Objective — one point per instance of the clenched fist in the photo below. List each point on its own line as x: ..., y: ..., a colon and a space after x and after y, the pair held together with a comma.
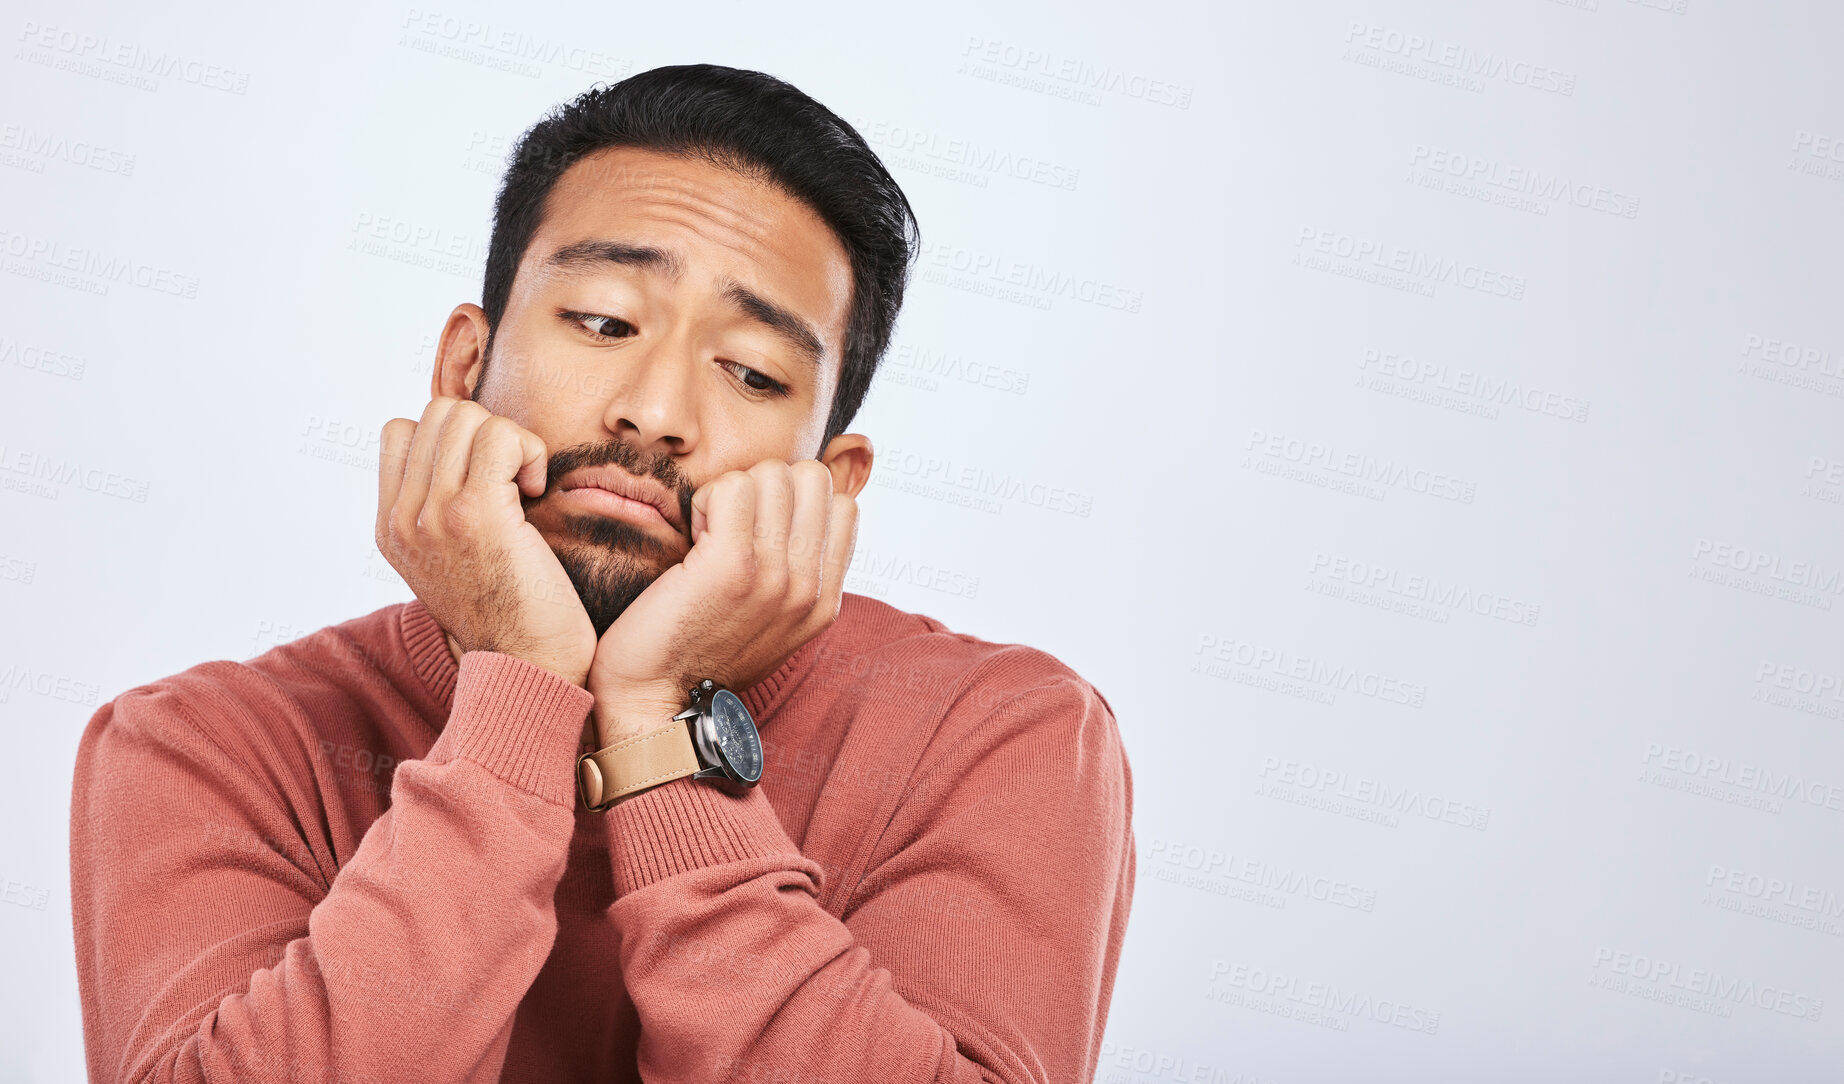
x: 451, y: 522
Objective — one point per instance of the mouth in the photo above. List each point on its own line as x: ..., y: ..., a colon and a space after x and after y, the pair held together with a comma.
x: 611, y: 491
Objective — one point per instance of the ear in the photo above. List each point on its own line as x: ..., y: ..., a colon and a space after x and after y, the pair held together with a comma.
x: 849, y: 458
x: 460, y: 355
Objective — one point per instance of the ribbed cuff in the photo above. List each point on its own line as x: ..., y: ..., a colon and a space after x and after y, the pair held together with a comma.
x: 688, y: 824
x: 517, y: 720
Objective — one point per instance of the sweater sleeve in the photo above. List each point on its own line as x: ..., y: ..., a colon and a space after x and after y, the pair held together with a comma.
x: 980, y: 944
x: 215, y: 940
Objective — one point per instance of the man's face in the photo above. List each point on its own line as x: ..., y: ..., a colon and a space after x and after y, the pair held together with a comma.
x: 671, y: 320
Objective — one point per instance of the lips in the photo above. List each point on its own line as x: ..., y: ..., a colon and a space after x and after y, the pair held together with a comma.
x: 620, y: 483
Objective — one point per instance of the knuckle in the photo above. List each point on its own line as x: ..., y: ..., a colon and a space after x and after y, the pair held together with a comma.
x: 729, y: 482
x: 400, y: 528
x: 459, y: 515
x: 492, y: 435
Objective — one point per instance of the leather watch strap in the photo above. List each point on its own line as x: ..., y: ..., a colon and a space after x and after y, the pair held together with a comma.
x: 658, y: 756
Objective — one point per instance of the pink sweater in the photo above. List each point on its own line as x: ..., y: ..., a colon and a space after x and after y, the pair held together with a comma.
x: 351, y: 860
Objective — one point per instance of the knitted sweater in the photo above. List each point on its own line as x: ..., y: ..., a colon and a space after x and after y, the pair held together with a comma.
x: 351, y: 859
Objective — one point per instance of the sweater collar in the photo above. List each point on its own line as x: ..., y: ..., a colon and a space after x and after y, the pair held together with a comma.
x: 435, y: 665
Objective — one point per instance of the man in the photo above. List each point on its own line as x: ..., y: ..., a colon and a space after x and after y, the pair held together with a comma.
x: 379, y: 853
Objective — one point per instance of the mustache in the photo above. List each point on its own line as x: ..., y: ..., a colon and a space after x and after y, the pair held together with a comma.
x: 660, y: 468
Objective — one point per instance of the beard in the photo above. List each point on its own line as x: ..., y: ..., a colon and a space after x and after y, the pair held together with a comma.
x: 611, y: 561
x: 606, y: 563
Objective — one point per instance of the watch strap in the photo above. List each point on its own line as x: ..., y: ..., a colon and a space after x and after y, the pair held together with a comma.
x: 658, y: 756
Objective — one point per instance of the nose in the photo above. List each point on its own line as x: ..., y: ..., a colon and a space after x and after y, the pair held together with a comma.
x: 654, y: 401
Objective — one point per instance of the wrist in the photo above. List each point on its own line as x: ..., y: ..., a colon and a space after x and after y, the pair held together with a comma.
x: 620, y: 715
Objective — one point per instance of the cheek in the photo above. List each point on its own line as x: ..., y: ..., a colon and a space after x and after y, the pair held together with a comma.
x: 546, y: 390
x: 740, y: 440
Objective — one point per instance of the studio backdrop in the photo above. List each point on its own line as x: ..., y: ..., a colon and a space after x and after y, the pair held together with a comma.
x: 1423, y: 422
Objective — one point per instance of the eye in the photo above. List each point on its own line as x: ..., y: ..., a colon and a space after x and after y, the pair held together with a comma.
x: 601, y: 327
x: 768, y: 385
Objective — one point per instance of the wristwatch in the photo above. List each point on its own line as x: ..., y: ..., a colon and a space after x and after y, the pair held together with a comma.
x: 714, y: 739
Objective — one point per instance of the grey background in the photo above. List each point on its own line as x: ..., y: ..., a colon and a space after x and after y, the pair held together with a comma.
x: 1453, y: 392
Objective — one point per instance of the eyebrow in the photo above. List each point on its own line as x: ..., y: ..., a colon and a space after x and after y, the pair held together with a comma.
x: 584, y: 257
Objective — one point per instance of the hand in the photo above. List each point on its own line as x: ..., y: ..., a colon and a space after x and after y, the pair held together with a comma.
x: 451, y: 523
x: 765, y: 574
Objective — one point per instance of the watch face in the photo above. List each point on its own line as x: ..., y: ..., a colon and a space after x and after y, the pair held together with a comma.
x: 736, y: 735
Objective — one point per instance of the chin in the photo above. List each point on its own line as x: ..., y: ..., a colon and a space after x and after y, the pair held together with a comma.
x: 606, y: 580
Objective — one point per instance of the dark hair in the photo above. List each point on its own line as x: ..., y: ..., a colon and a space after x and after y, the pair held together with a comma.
x: 759, y: 126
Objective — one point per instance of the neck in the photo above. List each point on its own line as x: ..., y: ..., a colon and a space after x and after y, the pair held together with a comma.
x: 453, y: 647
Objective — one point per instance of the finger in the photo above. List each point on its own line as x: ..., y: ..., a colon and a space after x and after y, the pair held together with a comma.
x: 422, y: 457
x: 505, y: 451
x: 393, y: 454
x: 453, y: 449
x: 726, y: 506
x: 774, y: 519
x: 841, y: 539
x: 807, y: 536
